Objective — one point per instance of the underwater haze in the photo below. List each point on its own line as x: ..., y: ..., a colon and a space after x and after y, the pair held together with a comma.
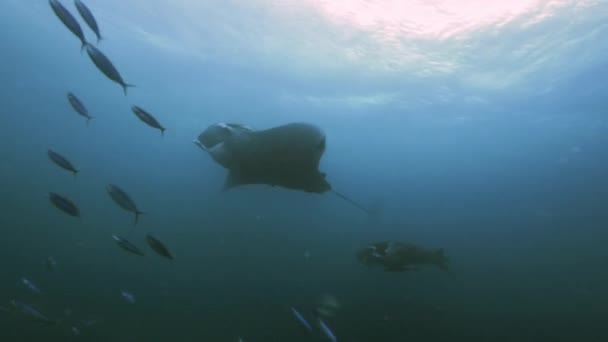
x: 476, y: 127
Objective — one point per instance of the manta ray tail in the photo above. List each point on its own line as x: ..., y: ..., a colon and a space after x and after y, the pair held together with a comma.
x: 371, y: 213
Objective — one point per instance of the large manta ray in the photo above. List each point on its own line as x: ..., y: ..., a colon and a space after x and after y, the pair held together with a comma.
x: 286, y: 156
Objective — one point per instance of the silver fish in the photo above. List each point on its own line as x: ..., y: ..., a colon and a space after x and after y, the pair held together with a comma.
x: 31, y: 312
x: 104, y: 65
x: 123, y: 200
x: 30, y: 285
x: 78, y: 106
x: 301, y: 319
x: 148, y: 118
x: 88, y: 17
x: 64, y: 204
x: 62, y: 162
x: 68, y: 20
x: 325, y: 329
x: 126, y: 245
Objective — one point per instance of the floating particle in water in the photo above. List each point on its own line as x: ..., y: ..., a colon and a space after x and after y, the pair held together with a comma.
x: 129, y: 297
x: 88, y: 322
x: 51, y: 263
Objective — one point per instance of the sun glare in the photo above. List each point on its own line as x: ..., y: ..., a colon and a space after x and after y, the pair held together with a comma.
x: 423, y: 18
x: 372, y: 38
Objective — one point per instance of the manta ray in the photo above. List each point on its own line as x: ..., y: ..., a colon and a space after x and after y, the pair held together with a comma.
x: 287, y: 156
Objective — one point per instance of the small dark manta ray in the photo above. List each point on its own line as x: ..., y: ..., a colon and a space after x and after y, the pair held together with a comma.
x: 398, y: 257
x: 158, y: 247
x: 62, y: 161
x: 148, y: 119
x: 88, y: 17
x: 126, y: 245
x: 68, y: 20
x: 79, y: 107
x: 286, y: 156
x: 64, y: 204
x: 123, y: 200
x: 106, y: 67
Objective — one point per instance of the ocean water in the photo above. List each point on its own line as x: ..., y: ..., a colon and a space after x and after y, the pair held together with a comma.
x: 475, y: 127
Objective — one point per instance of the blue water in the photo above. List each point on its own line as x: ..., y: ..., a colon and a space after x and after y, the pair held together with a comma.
x: 497, y: 156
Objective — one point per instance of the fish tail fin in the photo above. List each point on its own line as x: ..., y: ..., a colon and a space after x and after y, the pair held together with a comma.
x: 89, y: 119
x: 99, y: 39
x: 442, y: 260
x: 162, y: 131
x: 137, y: 213
x: 127, y: 85
x: 83, y: 45
x: 75, y: 172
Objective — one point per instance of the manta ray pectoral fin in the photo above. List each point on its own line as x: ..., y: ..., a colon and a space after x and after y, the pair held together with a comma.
x: 321, y: 145
x: 229, y: 183
x: 234, y: 179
